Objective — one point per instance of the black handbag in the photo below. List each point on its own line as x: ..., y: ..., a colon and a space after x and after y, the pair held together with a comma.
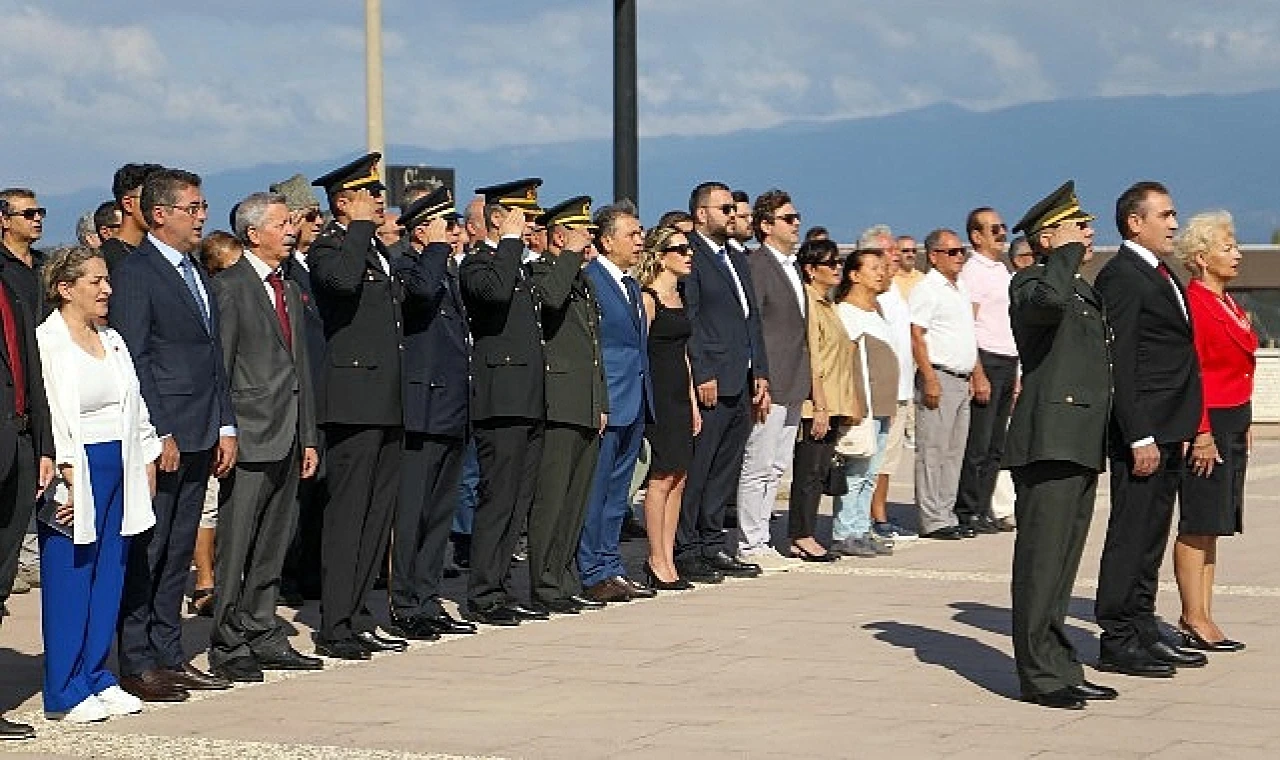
x: 833, y: 481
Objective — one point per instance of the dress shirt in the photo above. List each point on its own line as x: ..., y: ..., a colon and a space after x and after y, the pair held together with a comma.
x: 987, y: 281
x: 618, y: 275
x: 722, y: 255
x: 263, y: 271
x: 944, y: 310
x: 898, y: 314
x: 1154, y: 262
x: 793, y: 275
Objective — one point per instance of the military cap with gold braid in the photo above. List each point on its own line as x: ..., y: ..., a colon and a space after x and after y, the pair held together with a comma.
x: 574, y: 213
x: 521, y: 194
x: 361, y: 174
x: 437, y: 204
x: 1061, y: 205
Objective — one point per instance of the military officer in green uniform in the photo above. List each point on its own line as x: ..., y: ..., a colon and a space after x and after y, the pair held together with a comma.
x: 1057, y: 443
x: 577, y: 407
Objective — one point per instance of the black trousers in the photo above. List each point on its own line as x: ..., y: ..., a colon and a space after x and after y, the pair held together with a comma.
x: 985, y: 446
x: 1137, y: 532
x: 809, y: 467
x: 256, y: 522
x: 17, y: 502
x: 510, y: 453
x: 569, y: 456
x: 150, y: 627
x: 713, y: 477
x: 1053, y: 509
x: 364, y: 477
x: 430, y: 476
x: 302, y: 562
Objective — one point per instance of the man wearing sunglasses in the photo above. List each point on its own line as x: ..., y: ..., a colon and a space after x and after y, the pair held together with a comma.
x: 23, y: 223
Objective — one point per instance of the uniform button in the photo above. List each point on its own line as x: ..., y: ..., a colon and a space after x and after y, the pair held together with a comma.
x: 1070, y: 400
x: 355, y: 363
x: 508, y: 358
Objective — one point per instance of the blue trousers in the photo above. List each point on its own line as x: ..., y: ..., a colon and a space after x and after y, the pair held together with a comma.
x: 81, y: 588
x: 853, y: 510
x: 608, y: 505
x: 468, y: 495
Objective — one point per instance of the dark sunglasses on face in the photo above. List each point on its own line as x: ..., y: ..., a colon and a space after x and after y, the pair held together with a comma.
x: 949, y: 251
x: 312, y: 215
x: 30, y: 213
x: 996, y: 229
x: 788, y: 218
x: 726, y: 209
x: 683, y: 249
x: 833, y: 263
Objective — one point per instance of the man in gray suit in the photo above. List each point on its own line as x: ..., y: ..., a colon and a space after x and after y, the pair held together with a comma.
x: 780, y: 297
x: 264, y: 349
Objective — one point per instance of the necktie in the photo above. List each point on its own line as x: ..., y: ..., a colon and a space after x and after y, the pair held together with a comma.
x: 189, y: 274
x: 282, y: 313
x: 630, y: 287
x: 1164, y: 270
x: 14, y: 349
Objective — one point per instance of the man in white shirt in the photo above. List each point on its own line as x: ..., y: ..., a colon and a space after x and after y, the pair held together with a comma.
x: 945, y: 347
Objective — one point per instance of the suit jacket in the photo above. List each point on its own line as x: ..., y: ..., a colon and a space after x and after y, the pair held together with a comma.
x: 178, y: 359
x: 1063, y: 340
x: 624, y: 341
x: 724, y: 346
x: 437, y: 355
x: 359, y: 304
x: 270, y: 383
x: 1157, y: 378
x: 1227, y: 349
x: 37, y: 403
x: 313, y: 325
x: 784, y: 329
x: 507, y: 361
x: 576, y: 392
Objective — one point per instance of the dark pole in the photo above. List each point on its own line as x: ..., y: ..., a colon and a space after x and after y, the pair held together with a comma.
x: 626, y: 148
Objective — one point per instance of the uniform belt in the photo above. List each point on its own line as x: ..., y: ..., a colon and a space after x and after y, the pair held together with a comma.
x: 952, y: 372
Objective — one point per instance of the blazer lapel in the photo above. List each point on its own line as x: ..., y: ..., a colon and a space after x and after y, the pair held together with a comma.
x: 167, y: 272
x: 258, y: 294
x: 713, y: 260
x: 1154, y: 275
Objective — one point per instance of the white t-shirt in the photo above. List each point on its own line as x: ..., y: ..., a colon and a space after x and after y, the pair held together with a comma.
x: 898, y: 314
x: 101, y: 398
x: 858, y: 321
x: 945, y: 311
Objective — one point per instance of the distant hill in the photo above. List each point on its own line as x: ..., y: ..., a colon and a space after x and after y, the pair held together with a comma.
x: 913, y: 170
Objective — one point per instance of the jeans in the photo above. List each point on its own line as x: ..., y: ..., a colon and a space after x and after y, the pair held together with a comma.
x: 853, y: 510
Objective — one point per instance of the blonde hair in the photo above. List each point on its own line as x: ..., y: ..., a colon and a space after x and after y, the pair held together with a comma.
x: 1203, y: 231
x: 650, y: 265
x: 66, y: 264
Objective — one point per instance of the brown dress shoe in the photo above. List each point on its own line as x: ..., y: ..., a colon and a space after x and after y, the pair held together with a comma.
x: 635, y: 589
x: 190, y: 677
x: 608, y: 590
x: 153, y: 686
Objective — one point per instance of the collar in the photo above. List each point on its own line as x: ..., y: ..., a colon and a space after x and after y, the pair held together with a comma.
x: 735, y: 245
x: 171, y: 254
x: 612, y: 269
x: 259, y: 266
x: 781, y: 257
x: 715, y: 248
x: 1152, y: 260
x: 981, y: 259
x: 936, y: 276
x: 301, y: 260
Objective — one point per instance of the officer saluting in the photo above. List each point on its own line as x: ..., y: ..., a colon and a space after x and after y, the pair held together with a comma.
x: 359, y: 303
x: 1057, y: 442
x: 508, y: 408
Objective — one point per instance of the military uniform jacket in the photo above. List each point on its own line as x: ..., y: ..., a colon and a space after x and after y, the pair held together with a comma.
x: 1064, y: 344
x: 576, y: 393
x: 437, y: 353
x: 507, y: 362
x: 359, y: 304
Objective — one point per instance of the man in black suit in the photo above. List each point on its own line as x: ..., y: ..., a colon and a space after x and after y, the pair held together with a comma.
x: 508, y: 405
x: 265, y: 355
x: 730, y: 375
x: 359, y: 301
x: 1157, y: 409
x: 436, y: 391
x: 163, y: 308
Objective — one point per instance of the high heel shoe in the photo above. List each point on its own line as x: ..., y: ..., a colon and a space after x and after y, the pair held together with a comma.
x: 1193, y: 640
x: 679, y: 584
x: 799, y: 552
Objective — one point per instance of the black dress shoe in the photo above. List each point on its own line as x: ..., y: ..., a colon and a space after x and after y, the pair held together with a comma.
x: 949, y: 533
x: 1062, y: 699
x: 1137, y: 663
x: 372, y: 642
x: 1086, y: 690
x: 341, y: 649
x: 587, y: 604
x: 635, y: 588
x: 1177, y: 657
x: 11, y: 731
x: 527, y: 613
x: 410, y: 628
x: 239, y: 669
x: 289, y: 659
x: 981, y: 524
x: 444, y: 623
x: 191, y: 678
x: 1193, y: 640
x: 732, y: 566
x: 699, y: 572
x: 557, y: 606
x: 966, y: 531
x: 498, y: 615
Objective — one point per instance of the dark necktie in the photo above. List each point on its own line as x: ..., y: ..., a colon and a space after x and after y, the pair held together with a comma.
x: 14, y: 349
x: 282, y: 313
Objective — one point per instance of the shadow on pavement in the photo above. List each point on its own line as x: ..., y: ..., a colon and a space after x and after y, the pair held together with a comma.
x: 980, y: 664
x: 21, y: 677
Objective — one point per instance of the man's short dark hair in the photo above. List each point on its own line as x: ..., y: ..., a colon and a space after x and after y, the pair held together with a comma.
x: 607, y: 217
x: 701, y: 193
x: 104, y: 215
x: 767, y: 203
x: 674, y: 217
x: 933, y: 238
x: 10, y: 194
x: 1130, y: 203
x: 129, y: 178
x: 741, y: 197
x: 816, y: 232
x: 971, y: 224
x: 162, y: 187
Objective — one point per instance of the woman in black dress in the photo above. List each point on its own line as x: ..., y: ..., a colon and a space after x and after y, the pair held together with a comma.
x: 667, y: 258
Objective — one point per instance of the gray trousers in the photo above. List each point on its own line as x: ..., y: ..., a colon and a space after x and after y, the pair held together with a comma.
x: 941, y: 435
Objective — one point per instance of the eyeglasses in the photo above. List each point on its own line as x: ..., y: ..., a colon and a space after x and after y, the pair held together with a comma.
x: 907, y: 249
x: 190, y: 208
x: 788, y: 218
x: 949, y: 251
x: 30, y: 213
x: 683, y: 249
x: 112, y: 226
x: 998, y: 228
x: 832, y: 263
x: 726, y: 209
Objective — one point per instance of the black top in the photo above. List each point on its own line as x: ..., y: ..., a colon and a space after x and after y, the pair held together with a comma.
x: 671, y: 434
x: 25, y: 281
x: 114, y: 251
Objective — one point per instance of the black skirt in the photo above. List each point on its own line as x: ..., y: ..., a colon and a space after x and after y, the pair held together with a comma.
x: 1214, y: 506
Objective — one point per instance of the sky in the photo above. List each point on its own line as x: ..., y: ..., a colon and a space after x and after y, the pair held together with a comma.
x: 88, y: 85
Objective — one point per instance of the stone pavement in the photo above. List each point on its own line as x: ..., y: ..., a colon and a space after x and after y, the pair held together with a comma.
x: 904, y: 657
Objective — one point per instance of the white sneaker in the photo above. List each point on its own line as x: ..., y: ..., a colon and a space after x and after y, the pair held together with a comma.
x: 769, y: 560
x: 119, y: 702
x: 91, y: 710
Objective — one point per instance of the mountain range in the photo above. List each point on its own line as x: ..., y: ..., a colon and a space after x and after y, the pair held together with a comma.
x: 914, y: 170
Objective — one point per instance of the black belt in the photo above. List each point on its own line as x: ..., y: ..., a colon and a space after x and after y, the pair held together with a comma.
x: 953, y: 373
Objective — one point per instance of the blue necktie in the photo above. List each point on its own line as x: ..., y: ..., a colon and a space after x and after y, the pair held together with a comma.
x: 189, y: 274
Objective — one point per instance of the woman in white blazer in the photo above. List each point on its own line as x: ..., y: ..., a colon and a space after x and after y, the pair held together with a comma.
x: 106, y: 449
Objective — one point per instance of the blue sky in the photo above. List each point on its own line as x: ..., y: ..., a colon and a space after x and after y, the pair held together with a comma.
x: 88, y: 84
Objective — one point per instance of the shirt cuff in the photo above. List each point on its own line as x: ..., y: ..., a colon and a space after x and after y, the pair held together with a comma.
x: 511, y: 237
x: 1148, y: 441
x: 227, y: 431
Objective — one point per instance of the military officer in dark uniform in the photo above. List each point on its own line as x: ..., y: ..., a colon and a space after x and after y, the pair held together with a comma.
x: 577, y: 407
x: 508, y: 406
x: 436, y: 394
x: 1057, y: 443
x: 359, y: 302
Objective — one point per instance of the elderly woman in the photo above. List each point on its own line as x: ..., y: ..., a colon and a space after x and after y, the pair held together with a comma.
x: 105, y: 450
x: 1212, y: 491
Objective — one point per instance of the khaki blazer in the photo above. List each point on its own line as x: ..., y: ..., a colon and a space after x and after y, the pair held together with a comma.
x: 835, y: 362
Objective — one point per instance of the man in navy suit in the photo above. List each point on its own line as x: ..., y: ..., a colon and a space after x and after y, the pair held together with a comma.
x: 163, y: 308
x: 731, y: 377
x: 624, y: 346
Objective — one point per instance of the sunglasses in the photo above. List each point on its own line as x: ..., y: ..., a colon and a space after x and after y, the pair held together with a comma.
x: 832, y: 263
x: 30, y: 213
x: 683, y: 249
x: 788, y: 218
x: 312, y: 215
x: 726, y: 209
x: 949, y: 251
x: 996, y: 229
x: 1081, y: 224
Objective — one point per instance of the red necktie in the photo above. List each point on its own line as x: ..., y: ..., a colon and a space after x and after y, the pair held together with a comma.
x: 282, y: 314
x: 14, y: 348
x: 1164, y: 270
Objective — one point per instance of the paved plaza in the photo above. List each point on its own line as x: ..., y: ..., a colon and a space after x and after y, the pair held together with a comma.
x: 904, y: 657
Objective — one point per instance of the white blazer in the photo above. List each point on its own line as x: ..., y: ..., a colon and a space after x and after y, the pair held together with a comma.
x: 139, y: 444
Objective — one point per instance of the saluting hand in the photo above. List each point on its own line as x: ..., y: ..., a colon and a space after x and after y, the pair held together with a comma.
x: 437, y: 231
x: 362, y: 207
x: 577, y: 240
x: 512, y: 223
